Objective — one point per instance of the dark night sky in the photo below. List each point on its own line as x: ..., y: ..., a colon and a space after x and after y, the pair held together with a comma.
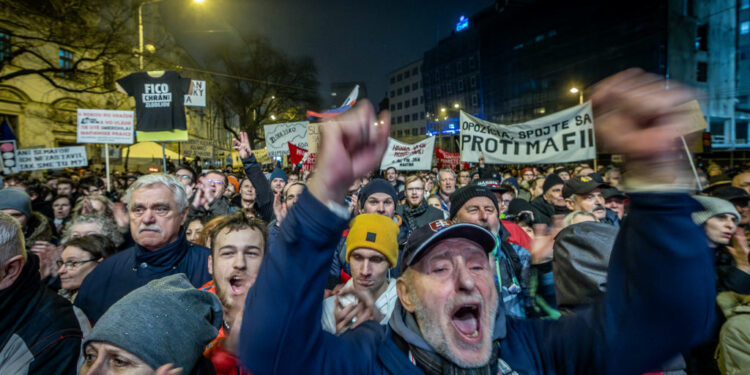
x: 349, y: 40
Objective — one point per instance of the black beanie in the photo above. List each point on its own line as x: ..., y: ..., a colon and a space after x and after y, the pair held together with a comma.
x: 551, y: 181
x: 462, y: 195
x: 517, y: 205
x: 377, y: 185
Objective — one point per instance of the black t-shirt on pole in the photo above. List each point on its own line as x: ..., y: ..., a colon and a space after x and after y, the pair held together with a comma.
x: 159, y: 101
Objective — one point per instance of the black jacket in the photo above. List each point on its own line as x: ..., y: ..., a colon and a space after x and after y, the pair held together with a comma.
x: 263, y: 193
x: 39, y: 333
x: 134, y: 267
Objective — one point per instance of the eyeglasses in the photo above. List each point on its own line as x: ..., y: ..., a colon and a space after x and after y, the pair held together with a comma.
x: 73, y: 264
x: 214, y: 182
x: 184, y: 177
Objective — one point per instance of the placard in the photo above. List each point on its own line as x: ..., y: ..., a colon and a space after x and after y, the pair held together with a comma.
x: 408, y: 157
x: 32, y: 159
x: 313, y: 137
x: 278, y: 135
x: 561, y: 137
x: 197, y: 147
x: 105, y: 126
x: 197, y: 97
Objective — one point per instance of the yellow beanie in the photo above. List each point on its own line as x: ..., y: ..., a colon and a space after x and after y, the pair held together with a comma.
x: 376, y: 232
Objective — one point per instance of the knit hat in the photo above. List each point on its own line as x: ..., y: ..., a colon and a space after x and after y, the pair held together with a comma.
x: 712, y: 207
x: 165, y: 321
x: 561, y: 170
x: 277, y: 173
x: 377, y: 185
x: 551, y: 181
x: 15, y: 199
x: 517, y: 205
x: 376, y: 232
x: 513, y: 181
x: 462, y: 195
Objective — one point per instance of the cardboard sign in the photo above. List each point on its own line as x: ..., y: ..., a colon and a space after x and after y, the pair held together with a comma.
x: 261, y: 155
x: 561, y: 137
x: 105, y: 126
x: 197, y: 97
x: 197, y: 147
x: 313, y: 137
x: 278, y: 135
x: 406, y: 157
x: 32, y: 159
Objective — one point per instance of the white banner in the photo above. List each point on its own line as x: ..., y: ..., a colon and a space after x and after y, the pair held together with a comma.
x: 561, y: 137
x: 105, y: 126
x: 277, y: 136
x: 408, y: 157
x: 197, y: 97
x: 31, y: 159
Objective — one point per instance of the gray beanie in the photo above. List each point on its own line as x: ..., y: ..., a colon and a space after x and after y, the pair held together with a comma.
x: 164, y: 321
x: 712, y: 207
x: 15, y: 199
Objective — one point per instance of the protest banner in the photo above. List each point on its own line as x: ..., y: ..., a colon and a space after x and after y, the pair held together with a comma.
x: 561, y: 137
x: 8, y: 162
x: 296, y: 154
x: 197, y: 97
x: 105, y: 126
x: 313, y: 137
x: 447, y: 159
x: 408, y: 157
x: 202, y: 148
x: 278, y: 135
x: 32, y: 159
x: 308, y: 163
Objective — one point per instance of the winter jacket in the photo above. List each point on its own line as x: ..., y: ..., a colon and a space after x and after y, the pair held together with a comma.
x: 429, y: 215
x: 134, y: 267
x: 658, y: 267
x: 263, y: 193
x: 385, y: 304
x: 543, y: 211
x: 38, y: 229
x: 39, y: 333
x: 733, y: 352
x: 219, y: 207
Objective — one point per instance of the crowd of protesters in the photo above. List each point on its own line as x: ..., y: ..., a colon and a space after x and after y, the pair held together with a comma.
x: 496, y: 269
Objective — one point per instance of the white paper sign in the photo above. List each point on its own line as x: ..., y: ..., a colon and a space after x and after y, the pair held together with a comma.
x: 104, y: 126
x: 408, y: 157
x: 277, y: 136
x: 197, y: 97
x: 561, y: 137
x: 31, y: 159
x: 197, y: 147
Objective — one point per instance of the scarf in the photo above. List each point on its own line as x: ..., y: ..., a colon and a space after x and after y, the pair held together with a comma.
x: 412, y: 213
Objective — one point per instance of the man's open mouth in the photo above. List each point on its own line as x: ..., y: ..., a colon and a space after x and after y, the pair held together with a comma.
x: 466, y: 321
x: 238, y: 285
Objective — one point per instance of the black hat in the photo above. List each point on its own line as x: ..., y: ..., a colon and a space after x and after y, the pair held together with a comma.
x: 551, y: 181
x: 716, y: 182
x: 377, y: 185
x: 581, y: 185
x: 731, y: 194
x: 517, y: 205
x: 613, y: 192
x: 561, y: 170
x: 492, y: 183
x: 462, y: 195
x: 425, y: 236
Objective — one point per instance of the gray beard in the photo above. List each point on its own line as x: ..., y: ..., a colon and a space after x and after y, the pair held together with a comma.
x: 434, y: 335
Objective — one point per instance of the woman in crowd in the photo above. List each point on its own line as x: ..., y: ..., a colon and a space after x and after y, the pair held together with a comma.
x: 61, y: 208
x: 90, y: 224
x: 193, y: 229
x: 79, y: 257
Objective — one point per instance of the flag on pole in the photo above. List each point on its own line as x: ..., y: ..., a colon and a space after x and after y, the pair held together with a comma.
x: 348, y: 103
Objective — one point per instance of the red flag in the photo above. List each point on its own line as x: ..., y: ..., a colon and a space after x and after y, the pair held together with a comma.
x: 296, y: 154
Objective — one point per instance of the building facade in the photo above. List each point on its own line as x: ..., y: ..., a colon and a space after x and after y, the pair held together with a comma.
x: 406, y: 101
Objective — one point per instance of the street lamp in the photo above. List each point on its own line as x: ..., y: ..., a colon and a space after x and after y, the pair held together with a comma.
x: 442, y: 109
x: 456, y: 105
x: 575, y: 90
x: 140, y: 28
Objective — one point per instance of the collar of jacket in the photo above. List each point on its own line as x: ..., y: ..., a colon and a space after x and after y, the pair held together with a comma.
x: 167, y: 256
x: 17, y: 301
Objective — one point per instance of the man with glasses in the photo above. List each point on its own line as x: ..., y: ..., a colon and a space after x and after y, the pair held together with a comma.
x: 157, y: 206
x: 209, y: 200
x: 416, y: 212
x: 186, y: 175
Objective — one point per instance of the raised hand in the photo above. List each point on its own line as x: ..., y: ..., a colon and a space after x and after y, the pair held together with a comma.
x: 351, y: 145
x: 243, y: 146
x: 740, y: 250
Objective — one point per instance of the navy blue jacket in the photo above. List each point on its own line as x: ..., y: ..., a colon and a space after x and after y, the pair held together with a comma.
x: 659, y: 301
x: 134, y: 267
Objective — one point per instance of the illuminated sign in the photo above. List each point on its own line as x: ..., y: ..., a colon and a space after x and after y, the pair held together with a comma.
x: 463, y: 23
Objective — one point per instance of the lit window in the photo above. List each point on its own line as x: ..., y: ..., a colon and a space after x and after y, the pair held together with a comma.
x: 4, y: 45
x: 745, y: 27
x: 66, y: 61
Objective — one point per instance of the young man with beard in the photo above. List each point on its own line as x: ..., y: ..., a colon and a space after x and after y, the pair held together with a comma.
x: 448, y: 319
x: 391, y: 175
x: 277, y: 180
x: 416, y: 212
x: 237, y: 248
x: 583, y: 193
x: 371, y: 250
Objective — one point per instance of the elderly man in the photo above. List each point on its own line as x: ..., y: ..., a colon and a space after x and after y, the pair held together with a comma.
x: 157, y: 206
x: 583, y: 193
x: 448, y: 319
x: 371, y: 250
x: 446, y: 187
x: 39, y: 333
